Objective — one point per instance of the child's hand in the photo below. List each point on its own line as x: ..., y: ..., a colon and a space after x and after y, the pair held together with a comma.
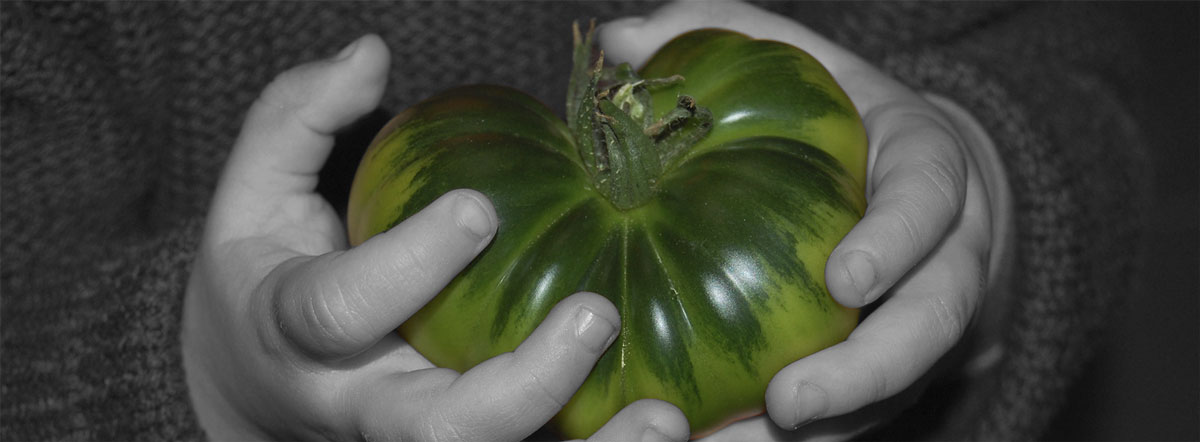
x: 290, y: 335
x: 925, y: 241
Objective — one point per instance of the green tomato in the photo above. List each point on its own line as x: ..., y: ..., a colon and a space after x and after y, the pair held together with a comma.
x: 717, y: 268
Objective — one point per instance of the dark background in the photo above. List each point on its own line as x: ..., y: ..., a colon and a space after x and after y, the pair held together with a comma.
x: 1145, y: 383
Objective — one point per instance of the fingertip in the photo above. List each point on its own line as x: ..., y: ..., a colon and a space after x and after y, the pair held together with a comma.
x: 777, y: 401
x: 475, y: 215
x: 805, y: 390
x: 466, y: 216
x: 622, y: 42
x: 793, y: 403
x: 595, y: 321
x: 852, y: 279
x: 373, y: 42
x: 369, y: 52
x: 513, y: 394
x: 621, y: 28
x: 666, y: 422
x: 584, y: 323
x: 289, y: 129
x: 925, y: 316
x: 351, y: 85
x: 595, y: 302
x: 367, y: 72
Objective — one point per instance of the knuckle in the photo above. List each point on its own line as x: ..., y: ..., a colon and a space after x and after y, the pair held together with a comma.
x: 942, y: 181
x: 320, y: 313
x: 328, y: 314
x: 948, y: 320
x: 537, y: 388
x: 915, y: 230
x: 434, y: 420
x: 950, y: 311
x: 937, y: 154
x: 924, y: 198
x: 870, y: 380
x: 435, y: 426
x: 877, y: 382
x: 288, y: 284
x: 907, y: 218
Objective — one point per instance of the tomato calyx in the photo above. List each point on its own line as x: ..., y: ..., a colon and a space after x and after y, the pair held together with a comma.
x: 621, y: 145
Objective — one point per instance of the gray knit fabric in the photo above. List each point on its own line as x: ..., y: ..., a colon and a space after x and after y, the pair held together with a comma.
x: 117, y: 116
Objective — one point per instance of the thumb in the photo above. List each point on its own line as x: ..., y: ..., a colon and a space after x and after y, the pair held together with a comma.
x: 621, y: 41
x: 339, y: 304
x: 289, y: 129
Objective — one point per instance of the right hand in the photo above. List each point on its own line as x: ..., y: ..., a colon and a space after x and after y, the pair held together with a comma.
x: 931, y: 238
x: 289, y: 334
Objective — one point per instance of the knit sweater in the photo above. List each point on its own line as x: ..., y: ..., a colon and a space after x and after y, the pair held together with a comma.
x: 117, y: 116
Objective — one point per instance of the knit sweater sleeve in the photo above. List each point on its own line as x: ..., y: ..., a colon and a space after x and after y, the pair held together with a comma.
x: 93, y: 275
x: 103, y: 361
x: 89, y: 183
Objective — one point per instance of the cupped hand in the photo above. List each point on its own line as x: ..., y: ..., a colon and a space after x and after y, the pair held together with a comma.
x: 288, y: 334
x: 924, y: 246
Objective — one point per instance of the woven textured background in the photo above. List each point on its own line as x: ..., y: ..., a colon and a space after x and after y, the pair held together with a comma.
x: 117, y: 117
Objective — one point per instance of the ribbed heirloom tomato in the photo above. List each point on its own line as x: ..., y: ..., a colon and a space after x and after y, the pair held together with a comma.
x: 701, y: 195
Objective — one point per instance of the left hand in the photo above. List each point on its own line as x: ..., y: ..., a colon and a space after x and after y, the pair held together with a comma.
x: 925, y: 241
x: 289, y: 333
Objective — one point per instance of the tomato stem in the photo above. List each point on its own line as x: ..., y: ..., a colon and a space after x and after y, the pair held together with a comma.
x: 620, y: 143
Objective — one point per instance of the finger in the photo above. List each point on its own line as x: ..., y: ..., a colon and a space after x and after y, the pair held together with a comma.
x: 337, y: 305
x: 511, y: 395
x: 918, y: 181
x: 647, y: 420
x: 926, y: 315
x: 623, y: 41
x: 891, y: 349
x: 834, y: 429
x: 289, y: 129
x: 635, y: 39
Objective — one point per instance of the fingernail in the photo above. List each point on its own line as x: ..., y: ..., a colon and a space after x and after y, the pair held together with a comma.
x: 653, y: 435
x: 348, y: 51
x: 472, y: 216
x: 811, y: 403
x: 862, y: 273
x: 593, y: 330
